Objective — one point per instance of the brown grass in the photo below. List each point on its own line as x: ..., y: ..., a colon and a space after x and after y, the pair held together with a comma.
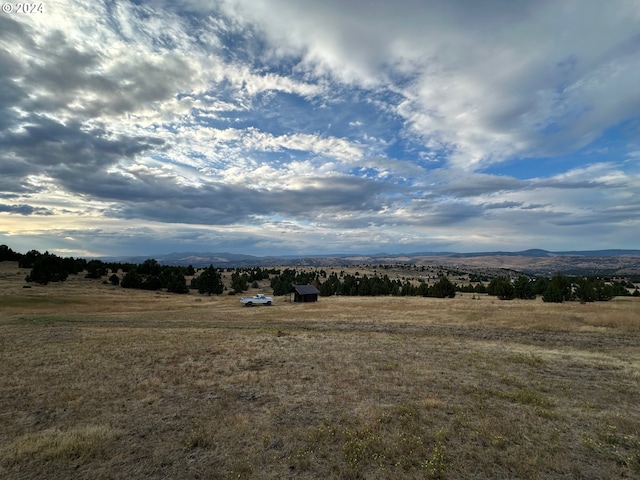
x: 100, y: 382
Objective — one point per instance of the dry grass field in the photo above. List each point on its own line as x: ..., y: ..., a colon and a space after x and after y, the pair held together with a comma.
x: 99, y: 382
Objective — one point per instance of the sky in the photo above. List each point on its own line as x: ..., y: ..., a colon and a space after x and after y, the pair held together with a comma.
x: 299, y: 127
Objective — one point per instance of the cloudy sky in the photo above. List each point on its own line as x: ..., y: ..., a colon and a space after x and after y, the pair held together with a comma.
x: 305, y: 127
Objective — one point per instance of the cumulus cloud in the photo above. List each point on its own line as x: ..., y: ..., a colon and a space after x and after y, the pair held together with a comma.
x: 351, y: 123
x: 488, y: 81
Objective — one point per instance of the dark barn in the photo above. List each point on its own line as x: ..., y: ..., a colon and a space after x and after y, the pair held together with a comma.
x: 305, y: 293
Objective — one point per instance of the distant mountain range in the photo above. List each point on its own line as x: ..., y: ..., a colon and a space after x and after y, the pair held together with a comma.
x: 538, y: 253
x: 534, y: 261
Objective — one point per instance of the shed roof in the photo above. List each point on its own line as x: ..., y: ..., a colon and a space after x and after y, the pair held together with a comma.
x: 305, y: 290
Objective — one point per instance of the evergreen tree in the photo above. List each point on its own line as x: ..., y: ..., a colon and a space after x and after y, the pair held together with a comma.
x: 480, y: 288
x: 74, y: 265
x: 27, y: 260
x: 502, y: 288
x: 523, y: 288
x: 150, y: 267
x: 586, y: 289
x: 466, y: 288
x: 423, y: 289
x: 540, y: 285
x: 558, y: 290
x: 176, y: 283
x: 209, y: 281
x: 47, y: 268
x: 152, y: 282
x: 239, y: 282
x: 330, y: 286
x: 8, y: 255
x: 96, y: 269
x: 442, y: 288
x: 278, y: 286
x: 132, y: 279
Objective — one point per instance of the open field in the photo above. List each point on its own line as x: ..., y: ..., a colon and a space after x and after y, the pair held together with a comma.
x: 99, y: 382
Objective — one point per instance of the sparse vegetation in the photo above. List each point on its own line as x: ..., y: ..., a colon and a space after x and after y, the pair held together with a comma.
x: 102, y: 382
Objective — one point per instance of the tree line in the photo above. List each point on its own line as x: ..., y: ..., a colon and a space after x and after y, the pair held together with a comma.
x: 559, y: 288
x: 356, y: 285
x: 150, y: 275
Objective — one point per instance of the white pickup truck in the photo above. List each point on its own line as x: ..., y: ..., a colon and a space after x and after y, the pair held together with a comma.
x: 259, y: 299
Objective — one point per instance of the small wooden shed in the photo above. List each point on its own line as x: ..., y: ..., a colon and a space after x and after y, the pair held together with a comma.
x: 304, y: 293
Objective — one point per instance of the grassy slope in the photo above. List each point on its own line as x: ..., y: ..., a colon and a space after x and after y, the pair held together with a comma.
x: 100, y: 382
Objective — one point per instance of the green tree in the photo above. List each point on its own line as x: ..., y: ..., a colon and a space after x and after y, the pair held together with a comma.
x: 8, y: 255
x: 502, y: 288
x: 239, y: 282
x: 114, y: 280
x: 278, y: 286
x: 466, y: 288
x: 132, y: 279
x: 539, y: 285
x: 480, y: 288
x: 74, y: 265
x: 208, y: 281
x: 442, y: 288
x: 586, y: 289
x: 330, y: 286
x: 282, y: 284
x: 96, y: 269
x: 150, y: 267
x: 47, y: 268
x: 616, y: 290
x: 27, y: 260
x: 176, y: 283
x: 152, y: 282
x: 558, y: 290
x: 408, y: 289
x: 523, y: 288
